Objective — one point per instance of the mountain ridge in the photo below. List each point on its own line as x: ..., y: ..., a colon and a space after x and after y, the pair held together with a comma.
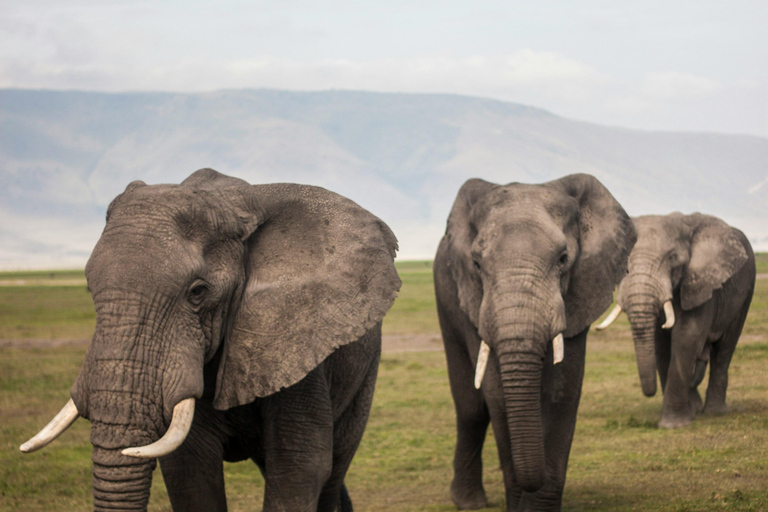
x: 65, y: 154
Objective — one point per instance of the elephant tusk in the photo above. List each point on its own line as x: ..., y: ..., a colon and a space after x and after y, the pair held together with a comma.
x: 558, y: 348
x: 183, y: 413
x: 669, y: 313
x: 482, y: 362
x: 614, y: 314
x: 61, y: 422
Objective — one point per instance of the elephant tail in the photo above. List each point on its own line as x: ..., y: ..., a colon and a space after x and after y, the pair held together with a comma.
x: 345, y: 504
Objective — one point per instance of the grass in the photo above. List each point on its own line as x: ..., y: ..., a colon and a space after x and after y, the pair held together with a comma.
x: 619, y: 460
x: 43, y: 276
x: 47, y: 305
x: 46, y: 312
x: 414, y: 310
x: 761, y: 260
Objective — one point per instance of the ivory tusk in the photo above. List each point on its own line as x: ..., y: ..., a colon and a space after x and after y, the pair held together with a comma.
x: 558, y: 348
x: 183, y: 413
x: 61, y: 422
x: 669, y: 313
x: 614, y: 314
x: 482, y: 362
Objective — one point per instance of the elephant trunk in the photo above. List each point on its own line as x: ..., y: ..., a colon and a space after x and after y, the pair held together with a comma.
x: 644, y: 336
x: 642, y: 294
x: 521, y: 383
x: 120, y: 391
x: 120, y: 482
x: 521, y: 324
x: 643, y: 306
x: 120, y: 419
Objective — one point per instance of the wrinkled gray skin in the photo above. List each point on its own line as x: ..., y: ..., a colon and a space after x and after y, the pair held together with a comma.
x: 264, y: 303
x: 518, y: 265
x: 707, y: 269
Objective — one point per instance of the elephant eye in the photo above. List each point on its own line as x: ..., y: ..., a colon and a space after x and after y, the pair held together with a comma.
x: 564, y: 259
x: 197, y: 293
x: 476, y: 265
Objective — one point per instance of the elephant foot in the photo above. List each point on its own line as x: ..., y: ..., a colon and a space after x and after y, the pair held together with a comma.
x: 716, y: 409
x: 675, y: 421
x: 466, y: 499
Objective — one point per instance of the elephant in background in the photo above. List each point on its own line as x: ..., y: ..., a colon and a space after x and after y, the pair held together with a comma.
x: 520, y: 274
x: 233, y: 321
x: 700, y: 272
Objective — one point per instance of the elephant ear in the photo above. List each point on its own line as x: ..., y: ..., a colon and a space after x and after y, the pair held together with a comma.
x: 716, y: 255
x: 320, y: 274
x: 606, y: 237
x: 459, y: 235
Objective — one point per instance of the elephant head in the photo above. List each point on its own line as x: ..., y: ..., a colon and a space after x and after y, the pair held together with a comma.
x: 676, y: 255
x: 219, y: 289
x: 534, y: 263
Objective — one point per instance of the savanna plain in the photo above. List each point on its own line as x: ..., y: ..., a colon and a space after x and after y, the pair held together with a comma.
x: 619, y: 461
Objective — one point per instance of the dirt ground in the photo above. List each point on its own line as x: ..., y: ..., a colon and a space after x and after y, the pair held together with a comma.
x: 392, y: 343
x: 40, y: 343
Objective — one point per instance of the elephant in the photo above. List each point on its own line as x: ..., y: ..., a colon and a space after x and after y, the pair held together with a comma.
x: 520, y: 274
x: 233, y: 321
x: 700, y: 272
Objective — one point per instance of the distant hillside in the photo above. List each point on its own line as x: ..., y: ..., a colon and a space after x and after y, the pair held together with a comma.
x: 65, y: 155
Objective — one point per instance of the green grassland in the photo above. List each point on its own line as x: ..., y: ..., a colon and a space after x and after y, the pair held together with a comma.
x: 414, y: 310
x: 619, y: 460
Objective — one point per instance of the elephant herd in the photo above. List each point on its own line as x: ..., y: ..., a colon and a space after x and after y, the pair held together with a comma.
x: 238, y: 321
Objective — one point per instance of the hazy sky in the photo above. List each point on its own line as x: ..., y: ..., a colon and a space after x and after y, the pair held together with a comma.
x: 670, y: 65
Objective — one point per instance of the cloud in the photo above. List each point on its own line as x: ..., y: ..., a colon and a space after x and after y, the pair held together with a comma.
x: 581, y: 63
x: 134, y: 48
x: 477, y: 74
x: 661, y: 89
x: 676, y: 86
x: 554, y: 81
x: 673, y: 101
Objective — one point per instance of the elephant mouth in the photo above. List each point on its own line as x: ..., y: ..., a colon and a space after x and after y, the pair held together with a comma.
x: 181, y: 422
x: 558, y: 353
x: 667, y: 307
x: 183, y: 414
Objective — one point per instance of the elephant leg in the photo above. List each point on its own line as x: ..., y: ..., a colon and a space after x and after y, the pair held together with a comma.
x: 561, y: 393
x: 689, y: 335
x: 472, y: 420
x: 720, y: 360
x: 347, y: 433
x: 193, y: 474
x: 298, y: 444
x: 699, y: 370
x: 701, y: 365
x: 694, y: 397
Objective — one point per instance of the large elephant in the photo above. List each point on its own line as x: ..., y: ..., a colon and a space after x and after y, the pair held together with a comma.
x: 232, y: 321
x: 521, y: 272
x: 700, y: 272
